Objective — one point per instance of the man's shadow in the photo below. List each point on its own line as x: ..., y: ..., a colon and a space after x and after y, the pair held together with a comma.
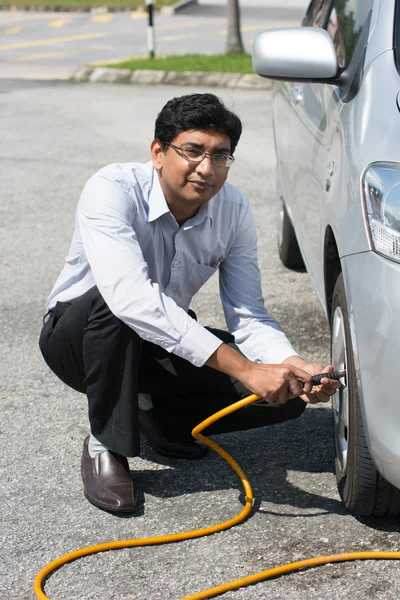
x: 304, y: 445
x: 265, y: 454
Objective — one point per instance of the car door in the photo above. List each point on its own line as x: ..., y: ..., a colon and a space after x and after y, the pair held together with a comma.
x: 314, y: 107
x: 322, y: 145
x: 317, y: 143
x: 299, y: 116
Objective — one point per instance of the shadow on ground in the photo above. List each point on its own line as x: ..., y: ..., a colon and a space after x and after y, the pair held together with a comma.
x: 266, y: 455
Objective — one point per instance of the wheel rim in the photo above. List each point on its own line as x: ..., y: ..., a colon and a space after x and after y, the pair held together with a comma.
x: 340, y: 401
x: 280, y: 215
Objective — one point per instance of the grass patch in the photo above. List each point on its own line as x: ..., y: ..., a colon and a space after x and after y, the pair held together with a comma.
x: 221, y: 63
x: 130, y: 4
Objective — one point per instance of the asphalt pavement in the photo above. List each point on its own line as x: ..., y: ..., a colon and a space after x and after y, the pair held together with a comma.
x: 54, y: 137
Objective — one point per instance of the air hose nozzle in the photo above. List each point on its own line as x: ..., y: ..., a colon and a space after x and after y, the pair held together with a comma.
x: 333, y: 375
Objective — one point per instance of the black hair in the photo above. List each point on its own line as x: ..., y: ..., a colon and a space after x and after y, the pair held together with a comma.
x: 197, y: 111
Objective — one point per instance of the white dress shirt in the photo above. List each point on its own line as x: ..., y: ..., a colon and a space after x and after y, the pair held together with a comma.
x: 147, y: 268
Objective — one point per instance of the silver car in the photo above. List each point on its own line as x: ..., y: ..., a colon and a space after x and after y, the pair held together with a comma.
x: 337, y: 134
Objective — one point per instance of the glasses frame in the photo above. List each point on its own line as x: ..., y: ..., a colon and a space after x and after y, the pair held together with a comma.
x: 202, y: 157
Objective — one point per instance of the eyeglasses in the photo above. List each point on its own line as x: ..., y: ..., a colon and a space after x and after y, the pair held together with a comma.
x: 194, y: 155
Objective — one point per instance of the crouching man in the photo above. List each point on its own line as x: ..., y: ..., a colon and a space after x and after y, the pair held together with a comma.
x: 119, y: 328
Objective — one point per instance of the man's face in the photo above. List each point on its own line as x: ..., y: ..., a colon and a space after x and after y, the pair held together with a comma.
x: 187, y: 185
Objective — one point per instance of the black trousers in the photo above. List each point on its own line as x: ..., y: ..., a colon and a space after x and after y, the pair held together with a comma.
x: 95, y: 353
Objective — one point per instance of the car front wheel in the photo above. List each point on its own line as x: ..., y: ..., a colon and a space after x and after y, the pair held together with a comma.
x: 362, y: 488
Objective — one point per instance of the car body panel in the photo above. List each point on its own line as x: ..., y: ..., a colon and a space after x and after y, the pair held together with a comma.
x: 303, y: 132
x: 381, y: 30
x: 324, y: 142
x: 374, y: 311
x: 370, y: 122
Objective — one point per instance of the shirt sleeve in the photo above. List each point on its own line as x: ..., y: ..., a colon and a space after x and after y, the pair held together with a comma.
x: 256, y: 333
x: 106, y: 216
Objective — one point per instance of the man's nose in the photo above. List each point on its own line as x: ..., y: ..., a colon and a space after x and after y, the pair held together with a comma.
x: 206, y: 166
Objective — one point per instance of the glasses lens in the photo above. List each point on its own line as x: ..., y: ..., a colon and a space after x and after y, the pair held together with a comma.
x: 222, y: 160
x: 192, y: 154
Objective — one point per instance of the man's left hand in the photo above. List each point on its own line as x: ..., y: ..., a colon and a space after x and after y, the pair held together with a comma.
x: 319, y: 393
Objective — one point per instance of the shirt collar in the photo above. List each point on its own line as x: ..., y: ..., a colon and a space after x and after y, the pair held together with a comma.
x: 158, y: 205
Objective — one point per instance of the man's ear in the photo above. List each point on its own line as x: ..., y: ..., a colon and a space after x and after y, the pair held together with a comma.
x: 157, y: 154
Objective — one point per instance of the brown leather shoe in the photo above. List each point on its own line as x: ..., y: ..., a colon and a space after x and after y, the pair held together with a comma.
x: 107, y: 482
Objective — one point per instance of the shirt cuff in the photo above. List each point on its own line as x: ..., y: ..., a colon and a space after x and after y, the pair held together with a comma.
x: 197, y: 345
x: 280, y: 350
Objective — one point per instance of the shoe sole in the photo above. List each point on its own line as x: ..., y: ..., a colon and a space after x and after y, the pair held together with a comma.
x: 98, y: 504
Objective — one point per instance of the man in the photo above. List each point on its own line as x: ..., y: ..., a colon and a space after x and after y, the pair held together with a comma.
x: 119, y: 328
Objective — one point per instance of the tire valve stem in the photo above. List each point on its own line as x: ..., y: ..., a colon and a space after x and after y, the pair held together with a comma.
x: 334, y: 375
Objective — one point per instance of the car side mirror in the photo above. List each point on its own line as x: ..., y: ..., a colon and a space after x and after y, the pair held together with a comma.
x: 296, y: 54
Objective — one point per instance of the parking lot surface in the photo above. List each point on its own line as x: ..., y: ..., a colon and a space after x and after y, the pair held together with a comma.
x: 45, y: 45
x: 54, y: 137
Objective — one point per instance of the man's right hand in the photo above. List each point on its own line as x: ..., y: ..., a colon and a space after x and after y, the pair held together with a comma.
x: 275, y: 383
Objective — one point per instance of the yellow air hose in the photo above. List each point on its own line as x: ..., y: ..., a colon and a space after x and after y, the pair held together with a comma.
x: 196, y: 533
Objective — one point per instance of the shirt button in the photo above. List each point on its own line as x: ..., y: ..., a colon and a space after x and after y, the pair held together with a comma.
x: 175, y: 263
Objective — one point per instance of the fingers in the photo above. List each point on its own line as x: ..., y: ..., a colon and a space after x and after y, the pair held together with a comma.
x: 280, y: 383
x: 330, y: 386
x: 319, y: 369
x: 327, y: 386
x: 300, y: 382
x: 318, y: 396
x: 296, y: 382
x: 326, y: 389
x: 281, y: 396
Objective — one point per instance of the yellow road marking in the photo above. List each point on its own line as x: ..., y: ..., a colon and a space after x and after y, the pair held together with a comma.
x: 271, y: 25
x: 189, y: 24
x: 59, y: 23
x: 182, y: 36
x: 114, y: 61
x: 102, y: 18
x: 4, y: 19
x: 60, y: 40
x: 86, y: 36
x: 139, y: 14
x: 263, y: 26
x: 12, y: 30
x: 91, y: 36
x: 44, y: 55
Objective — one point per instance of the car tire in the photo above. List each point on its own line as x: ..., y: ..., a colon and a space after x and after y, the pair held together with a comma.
x: 288, y: 247
x: 362, y: 488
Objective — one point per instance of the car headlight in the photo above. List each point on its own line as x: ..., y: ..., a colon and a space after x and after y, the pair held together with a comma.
x: 381, y: 192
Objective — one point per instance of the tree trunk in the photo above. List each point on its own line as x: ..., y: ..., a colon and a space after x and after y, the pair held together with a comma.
x: 234, y: 44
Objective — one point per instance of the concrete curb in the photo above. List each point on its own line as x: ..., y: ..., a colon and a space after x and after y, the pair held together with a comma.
x: 164, y: 10
x: 177, y: 7
x: 155, y: 77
